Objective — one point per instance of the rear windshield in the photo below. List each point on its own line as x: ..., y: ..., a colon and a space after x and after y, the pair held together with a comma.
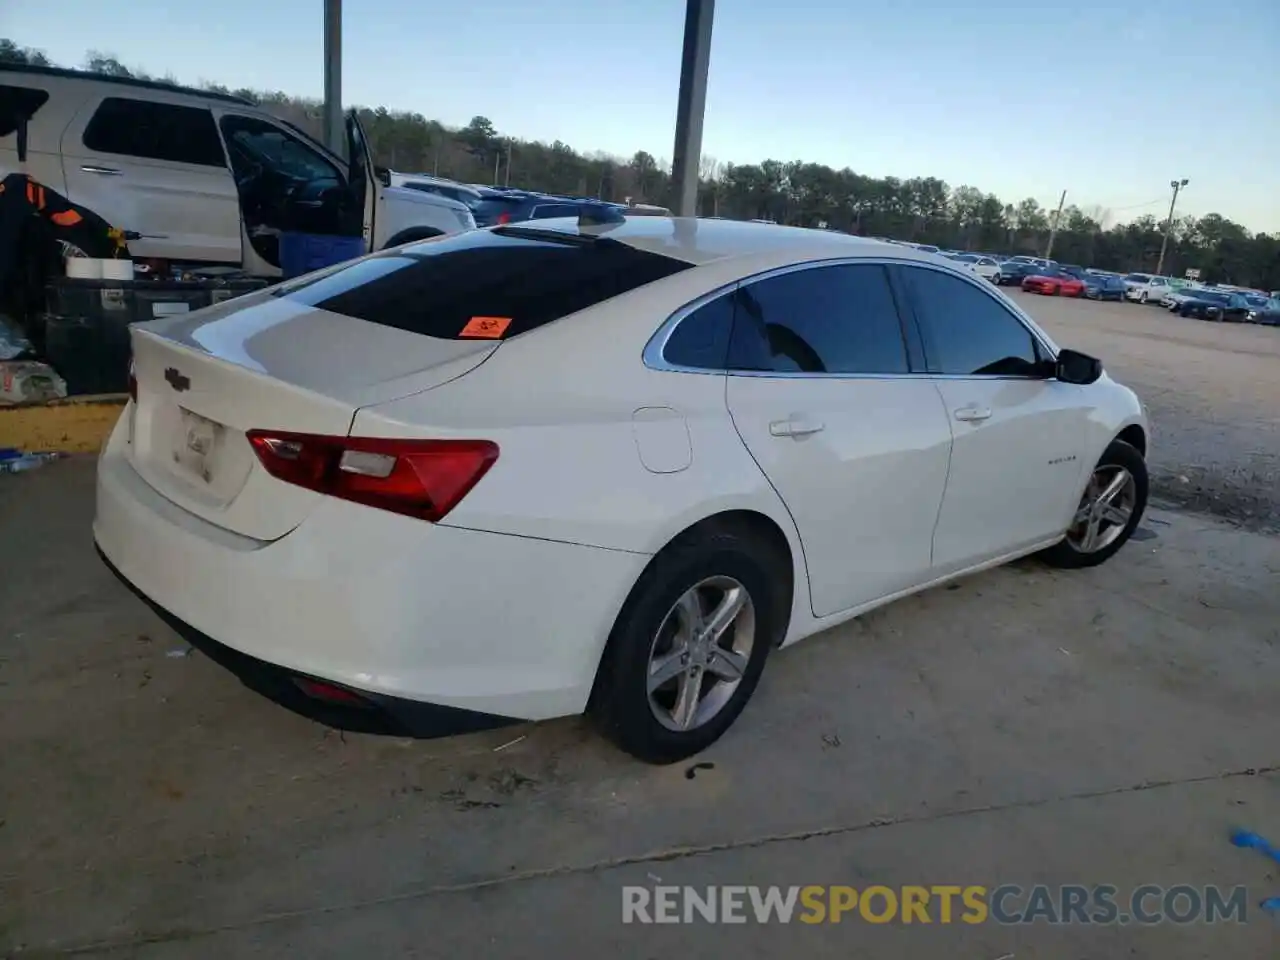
x: 18, y: 103
x: 522, y: 278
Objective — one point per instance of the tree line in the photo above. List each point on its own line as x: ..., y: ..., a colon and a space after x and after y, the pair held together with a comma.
x: 920, y: 209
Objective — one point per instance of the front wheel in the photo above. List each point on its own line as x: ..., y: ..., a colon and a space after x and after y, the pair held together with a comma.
x: 1110, y: 508
x: 689, y: 645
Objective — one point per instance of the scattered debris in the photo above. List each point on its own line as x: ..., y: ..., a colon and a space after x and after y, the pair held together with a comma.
x: 509, y: 743
x: 653, y: 876
x: 692, y: 771
x: 13, y: 460
x: 1065, y: 650
x: 830, y: 740
x: 29, y: 381
x: 179, y: 653
x: 1247, y: 840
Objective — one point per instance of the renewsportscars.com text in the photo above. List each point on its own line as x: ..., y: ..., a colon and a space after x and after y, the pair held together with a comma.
x: 1099, y: 904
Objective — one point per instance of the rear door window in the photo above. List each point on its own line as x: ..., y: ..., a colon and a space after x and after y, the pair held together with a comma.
x: 839, y: 319
x: 18, y: 103
x: 155, y: 131
x: 505, y: 281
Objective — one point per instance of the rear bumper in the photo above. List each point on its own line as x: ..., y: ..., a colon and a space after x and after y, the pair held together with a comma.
x: 375, y: 713
x: 393, y: 608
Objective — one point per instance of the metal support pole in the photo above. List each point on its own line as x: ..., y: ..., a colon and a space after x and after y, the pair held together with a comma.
x: 695, y: 64
x: 1168, y: 225
x: 335, y: 135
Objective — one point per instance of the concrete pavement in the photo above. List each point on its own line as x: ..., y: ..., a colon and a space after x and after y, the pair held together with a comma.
x: 1022, y: 726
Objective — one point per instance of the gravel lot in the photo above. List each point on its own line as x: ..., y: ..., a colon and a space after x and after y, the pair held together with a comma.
x: 1212, y: 391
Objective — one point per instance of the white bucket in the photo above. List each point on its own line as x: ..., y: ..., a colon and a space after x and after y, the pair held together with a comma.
x: 119, y: 269
x: 84, y: 268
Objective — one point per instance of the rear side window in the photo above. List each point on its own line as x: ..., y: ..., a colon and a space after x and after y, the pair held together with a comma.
x: 483, y: 283
x: 833, y: 319
x: 155, y: 131
x: 701, y: 340
x: 18, y: 103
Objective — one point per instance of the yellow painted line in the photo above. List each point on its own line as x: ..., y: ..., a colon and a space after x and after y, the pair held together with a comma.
x: 74, y: 425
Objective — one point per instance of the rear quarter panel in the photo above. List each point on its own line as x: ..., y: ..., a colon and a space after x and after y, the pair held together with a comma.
x: 559, y: 401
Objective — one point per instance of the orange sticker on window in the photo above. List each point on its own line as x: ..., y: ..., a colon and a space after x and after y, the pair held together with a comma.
x: 486, y: 328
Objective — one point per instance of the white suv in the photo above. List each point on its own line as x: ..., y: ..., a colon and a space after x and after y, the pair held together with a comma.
x: 1150, y: 290
x: 201, y: 177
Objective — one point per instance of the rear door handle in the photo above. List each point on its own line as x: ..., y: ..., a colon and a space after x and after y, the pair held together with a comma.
x: 794, y: 427
x: 103, y: 171
x: 972, y: 414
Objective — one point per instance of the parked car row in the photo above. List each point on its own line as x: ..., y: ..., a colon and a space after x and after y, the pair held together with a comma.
x: 1209, y: 303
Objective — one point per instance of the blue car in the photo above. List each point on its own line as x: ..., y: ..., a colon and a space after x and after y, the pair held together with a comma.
x: 1103, y: 286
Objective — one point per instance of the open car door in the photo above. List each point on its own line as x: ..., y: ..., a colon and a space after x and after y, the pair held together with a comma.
x: 361, y: 178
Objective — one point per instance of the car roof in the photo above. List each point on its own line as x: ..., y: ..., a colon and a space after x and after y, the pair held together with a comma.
x: 699, y: 241
x: 135, y: 82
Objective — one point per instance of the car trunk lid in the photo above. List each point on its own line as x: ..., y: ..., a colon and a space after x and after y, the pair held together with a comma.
x: 265, y: 362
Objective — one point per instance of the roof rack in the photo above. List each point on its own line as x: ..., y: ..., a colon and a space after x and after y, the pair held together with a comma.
x: 123, y: 81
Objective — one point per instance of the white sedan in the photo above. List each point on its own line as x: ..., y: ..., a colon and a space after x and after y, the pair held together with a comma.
x: 532, y: 471
x: 988, y: 268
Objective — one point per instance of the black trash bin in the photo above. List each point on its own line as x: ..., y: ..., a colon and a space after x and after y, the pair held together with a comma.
x: 85, y: 335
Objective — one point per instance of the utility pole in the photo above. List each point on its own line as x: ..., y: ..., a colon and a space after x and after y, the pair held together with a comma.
x: 1053, y: 227
x: 335, y: 137
x: 691, y: 104
x: 506, y: 181
x: 1168, y: 224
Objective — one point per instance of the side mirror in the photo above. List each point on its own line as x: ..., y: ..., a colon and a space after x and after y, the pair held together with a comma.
x: 1075, y: 367
x: 383, y: 175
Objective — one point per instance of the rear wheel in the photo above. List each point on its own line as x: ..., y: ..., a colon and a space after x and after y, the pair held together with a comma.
x: 689, y: 645
x: 1110, y: 509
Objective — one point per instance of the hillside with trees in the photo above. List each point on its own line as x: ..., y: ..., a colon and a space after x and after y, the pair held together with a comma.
x: 925, y: 210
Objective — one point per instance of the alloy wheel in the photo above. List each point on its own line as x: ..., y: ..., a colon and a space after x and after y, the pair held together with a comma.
x: 1105, y: 509
x: 700, y: 653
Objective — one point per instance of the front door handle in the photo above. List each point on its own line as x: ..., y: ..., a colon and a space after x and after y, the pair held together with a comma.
x: 794, y: 427
x: 103, y: 171
x: 973, y: 414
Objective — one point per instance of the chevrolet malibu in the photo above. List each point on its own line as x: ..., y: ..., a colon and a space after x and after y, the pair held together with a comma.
x: 595, y: 466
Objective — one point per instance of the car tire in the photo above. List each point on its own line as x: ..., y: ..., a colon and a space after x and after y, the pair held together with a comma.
x: 1087, y: 542
x: 707, y: 564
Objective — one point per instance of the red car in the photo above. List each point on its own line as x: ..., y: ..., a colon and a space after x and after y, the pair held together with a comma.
x: 1053, y: 283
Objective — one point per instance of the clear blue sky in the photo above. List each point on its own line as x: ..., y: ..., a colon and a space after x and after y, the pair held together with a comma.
x: 1108, y: 100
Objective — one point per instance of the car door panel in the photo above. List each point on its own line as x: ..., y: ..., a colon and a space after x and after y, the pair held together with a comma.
x: 861, y: 465
x: 820, y: 392
x: 1012, y: 470
x: 183, y: 210
x: 1017, y: 436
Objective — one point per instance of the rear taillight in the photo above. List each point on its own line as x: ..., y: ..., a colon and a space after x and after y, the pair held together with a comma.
x: 419, y: 478
x: 133, y: 383
x: 503, y: 218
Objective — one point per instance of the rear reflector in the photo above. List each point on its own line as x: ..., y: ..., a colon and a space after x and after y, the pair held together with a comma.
x: 319, y: 690
x: 418, y: 478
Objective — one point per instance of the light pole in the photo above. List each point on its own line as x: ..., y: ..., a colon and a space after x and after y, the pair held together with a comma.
x: 1168, y: 224
x: 691, y: 104
x: 335, y: 137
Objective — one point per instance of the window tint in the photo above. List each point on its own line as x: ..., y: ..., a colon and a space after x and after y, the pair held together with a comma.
x: 701, y: 340
x: 18, y: 103
x: 524, y: 276
x: 966, y: 330
x: 836, y: 319
x: 157, y: 131
x: 254, y: 143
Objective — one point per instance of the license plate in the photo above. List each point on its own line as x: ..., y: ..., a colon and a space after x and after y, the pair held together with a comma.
x: 196, y: 442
